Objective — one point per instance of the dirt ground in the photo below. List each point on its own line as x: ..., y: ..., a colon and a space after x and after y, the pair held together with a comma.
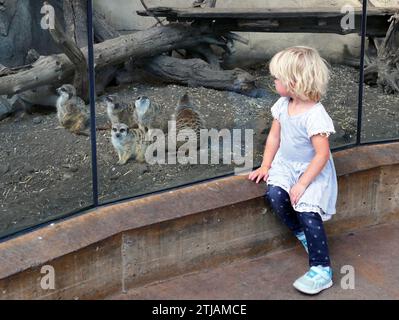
x: 45, y: 172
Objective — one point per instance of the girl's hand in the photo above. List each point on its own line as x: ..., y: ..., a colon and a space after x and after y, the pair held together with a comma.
x: 258, y: 174
x: 296, y: 193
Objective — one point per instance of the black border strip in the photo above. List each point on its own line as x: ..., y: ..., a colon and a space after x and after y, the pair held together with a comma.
x: 361, y: 73
x: 92, y: 88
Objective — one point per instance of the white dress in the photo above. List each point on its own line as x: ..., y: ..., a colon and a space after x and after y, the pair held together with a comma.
x: 295, y: 154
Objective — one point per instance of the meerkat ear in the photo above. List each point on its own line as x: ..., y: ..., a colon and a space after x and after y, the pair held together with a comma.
x: 185, y: 100
x: 127, y: 130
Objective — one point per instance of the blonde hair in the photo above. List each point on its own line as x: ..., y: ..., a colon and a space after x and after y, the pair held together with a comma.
x: 302, y: 72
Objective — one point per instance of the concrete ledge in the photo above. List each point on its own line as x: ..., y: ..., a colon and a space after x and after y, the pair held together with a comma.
x: 117, y: 247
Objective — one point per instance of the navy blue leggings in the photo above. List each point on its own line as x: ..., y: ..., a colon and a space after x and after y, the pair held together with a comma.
x: 308, y: 222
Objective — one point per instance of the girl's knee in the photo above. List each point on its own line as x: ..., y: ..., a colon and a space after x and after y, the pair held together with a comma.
x: 275, y: 193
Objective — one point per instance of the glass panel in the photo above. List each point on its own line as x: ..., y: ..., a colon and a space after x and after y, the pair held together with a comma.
x: 45, y: 162
x: 165, y: 79
x: 381, y: 90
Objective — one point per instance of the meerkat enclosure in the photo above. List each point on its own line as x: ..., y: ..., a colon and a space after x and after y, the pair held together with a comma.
x: 46, y: 170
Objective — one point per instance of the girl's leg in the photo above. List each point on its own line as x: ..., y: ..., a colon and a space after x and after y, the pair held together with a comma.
x: 280, y: 202
x: 316, y: 238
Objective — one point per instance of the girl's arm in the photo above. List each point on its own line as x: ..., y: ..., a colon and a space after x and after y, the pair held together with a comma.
x: 272, y: 144
x: 271, y: 147
x: 322, y: 155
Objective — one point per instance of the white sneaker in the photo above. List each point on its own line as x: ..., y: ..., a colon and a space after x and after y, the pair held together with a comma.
x: 315, y: 280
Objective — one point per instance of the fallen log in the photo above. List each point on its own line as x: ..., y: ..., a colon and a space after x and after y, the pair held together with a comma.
x: 196, y: 72
x: 150, y: 42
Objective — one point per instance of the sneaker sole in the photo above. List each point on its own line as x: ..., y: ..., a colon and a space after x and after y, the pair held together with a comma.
x: 314, y: 291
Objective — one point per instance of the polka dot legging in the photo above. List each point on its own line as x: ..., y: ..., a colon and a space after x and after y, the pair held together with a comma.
x: 308, y: 222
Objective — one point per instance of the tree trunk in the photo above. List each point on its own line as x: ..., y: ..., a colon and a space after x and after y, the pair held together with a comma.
x: 103, y: 31
x: 75, y: 16
x: 76, y: 56
x: 151, y: 42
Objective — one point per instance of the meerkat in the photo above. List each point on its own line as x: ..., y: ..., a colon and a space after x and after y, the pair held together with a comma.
x: 119, y: 112
x: 150, y: 115
x: 188, y: 117
x: 128, y: 143
x: 71, y: 110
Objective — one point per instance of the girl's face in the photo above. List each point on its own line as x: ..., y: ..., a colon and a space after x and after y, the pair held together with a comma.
x: 280, y: 88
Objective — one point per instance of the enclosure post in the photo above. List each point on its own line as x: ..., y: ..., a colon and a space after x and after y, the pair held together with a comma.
x: 92, y: 97
x: 361, y: 74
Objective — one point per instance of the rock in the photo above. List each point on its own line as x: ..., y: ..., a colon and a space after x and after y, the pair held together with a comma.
x: 73, y: 168
x: 5, y: 107
x: 142, y: 168
x: 37, y: 120
x: 115, y: 177
x: 67, y: 176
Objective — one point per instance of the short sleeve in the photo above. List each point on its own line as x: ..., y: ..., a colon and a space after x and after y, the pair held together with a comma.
x: 319, y: 122
x: 277, y: 108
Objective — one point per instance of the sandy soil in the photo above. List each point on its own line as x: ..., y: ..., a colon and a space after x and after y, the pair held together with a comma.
x: 46, y: 172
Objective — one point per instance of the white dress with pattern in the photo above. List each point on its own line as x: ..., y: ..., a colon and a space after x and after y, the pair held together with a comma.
x: 295, y: 154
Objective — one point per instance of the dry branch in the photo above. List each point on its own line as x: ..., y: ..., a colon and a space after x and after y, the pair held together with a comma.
x: 384, y: 70
x: 75, y: 55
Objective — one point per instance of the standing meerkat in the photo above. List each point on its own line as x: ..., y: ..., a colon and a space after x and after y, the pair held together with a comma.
x: 119, y: 112
x: 128, y: 143
x: 150, y: 115
x: 71, y: 110
x: 188, y: 117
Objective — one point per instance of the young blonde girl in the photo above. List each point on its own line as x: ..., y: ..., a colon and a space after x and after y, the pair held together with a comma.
x: 297, y: 163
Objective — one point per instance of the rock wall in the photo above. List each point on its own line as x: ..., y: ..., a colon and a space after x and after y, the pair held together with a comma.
x: 20, y: 30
